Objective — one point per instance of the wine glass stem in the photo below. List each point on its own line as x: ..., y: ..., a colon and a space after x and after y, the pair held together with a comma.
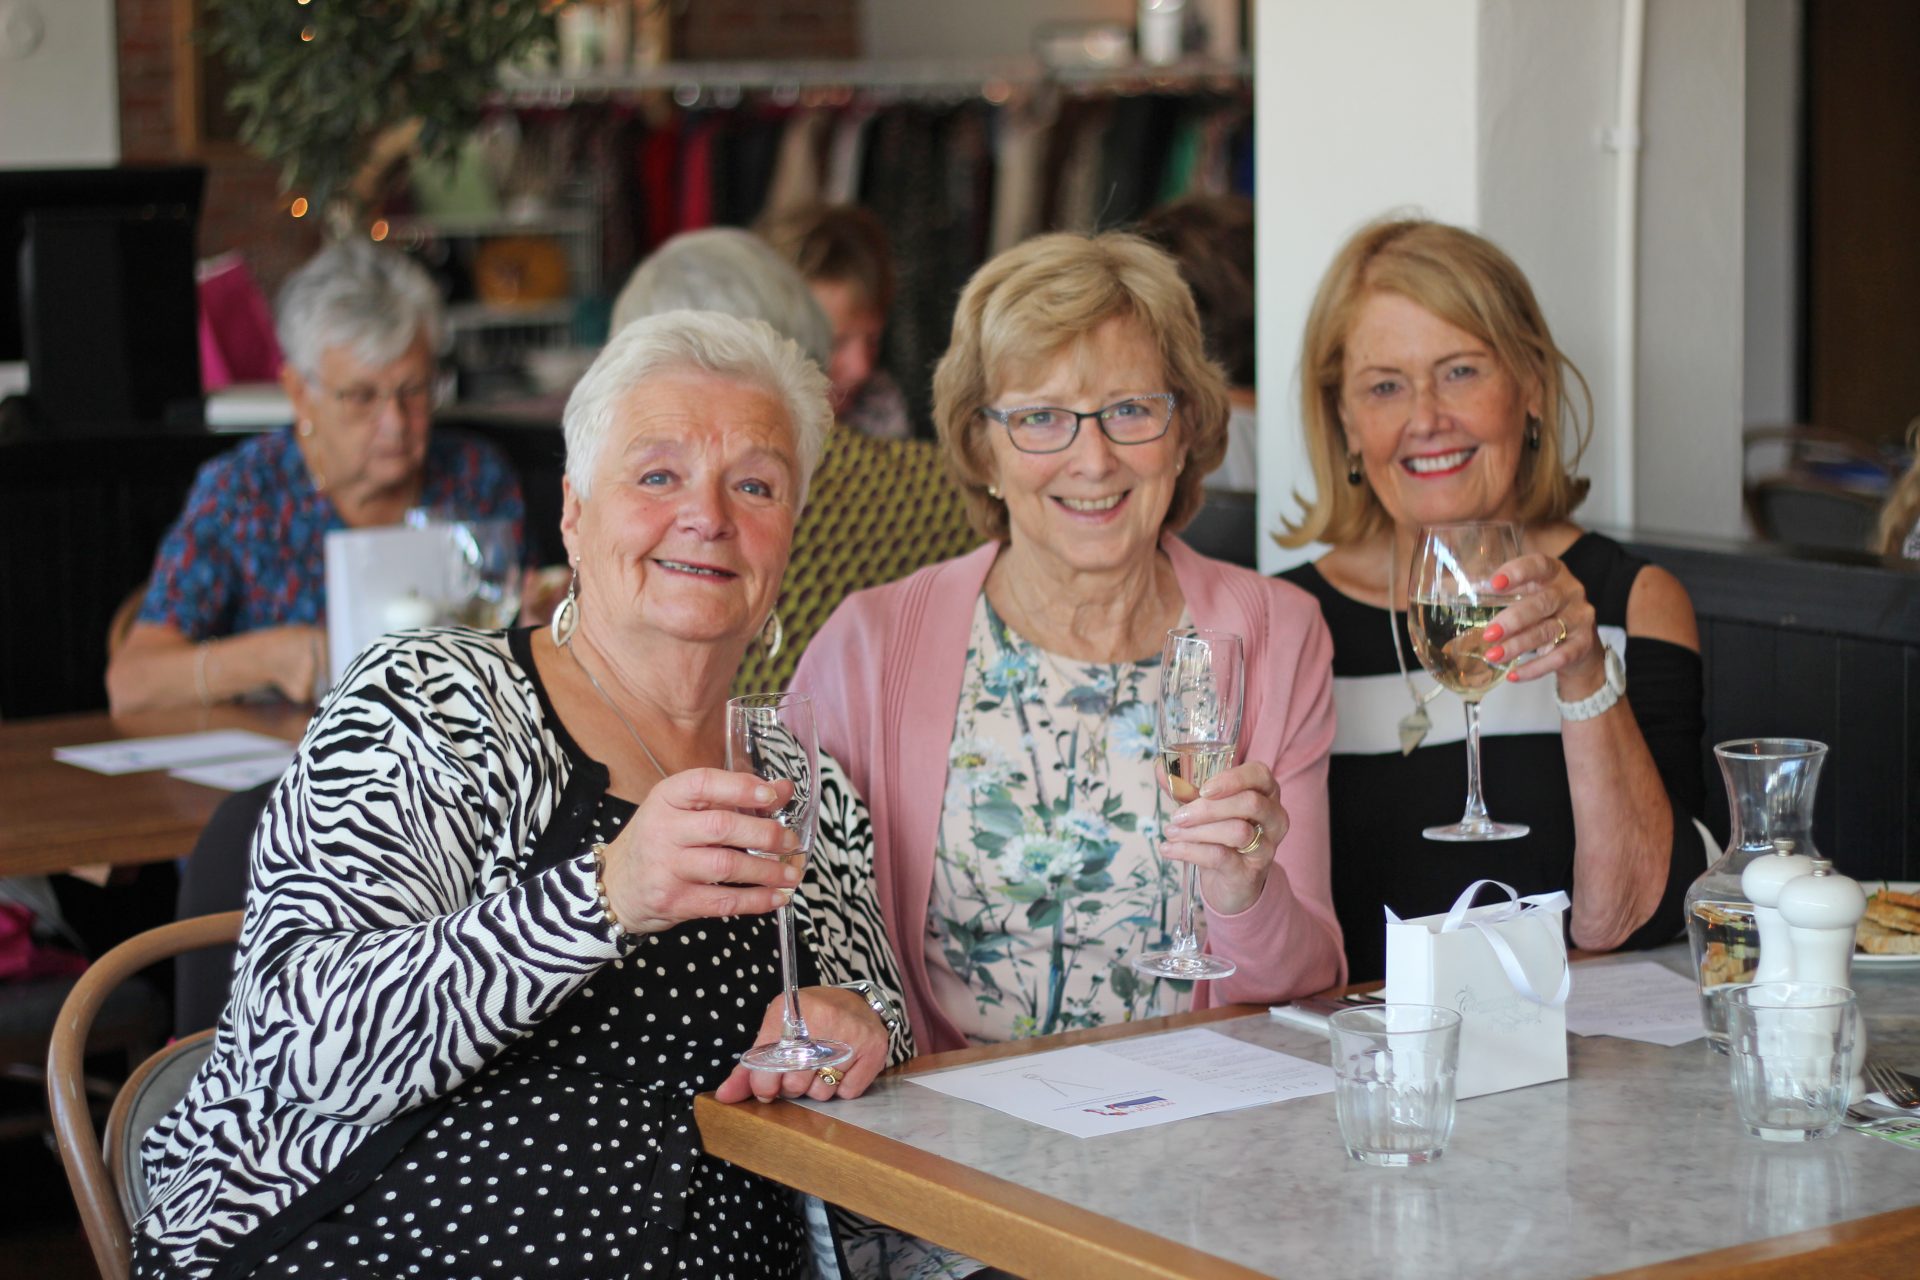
x: 1183, y: 940
x: 1476, y: 802
x: 792, y: 1026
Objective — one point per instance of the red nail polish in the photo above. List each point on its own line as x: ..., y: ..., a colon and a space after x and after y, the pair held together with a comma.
x: 1500, y: 581
x: 1496, y: 653
x: 1495, y: 632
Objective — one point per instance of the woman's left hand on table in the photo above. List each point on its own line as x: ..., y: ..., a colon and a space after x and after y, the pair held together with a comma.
x: 1230, y: 834
x: 831, y: 1013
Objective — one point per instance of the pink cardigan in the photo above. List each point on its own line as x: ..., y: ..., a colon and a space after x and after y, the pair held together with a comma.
x: 885, y: 673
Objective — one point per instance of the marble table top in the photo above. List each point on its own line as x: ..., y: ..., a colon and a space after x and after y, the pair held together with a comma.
x: 1636, y: 1158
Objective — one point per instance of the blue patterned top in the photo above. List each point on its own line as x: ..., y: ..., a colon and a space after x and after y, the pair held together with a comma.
x: 248, y: 551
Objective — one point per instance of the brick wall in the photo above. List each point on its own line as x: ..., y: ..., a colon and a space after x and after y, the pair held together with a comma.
x: 245, y: 207
x: 715, y: 29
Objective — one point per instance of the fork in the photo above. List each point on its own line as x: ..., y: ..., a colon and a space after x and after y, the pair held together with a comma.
x: 1898, y: 1090
x: 1858, y: 1119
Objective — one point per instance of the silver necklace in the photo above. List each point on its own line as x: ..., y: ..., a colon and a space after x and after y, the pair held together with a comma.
x: 618, y: 715
x: 1415, y: 725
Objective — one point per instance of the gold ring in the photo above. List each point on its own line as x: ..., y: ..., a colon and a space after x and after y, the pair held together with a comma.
x: 832, y: 1075
x: 1561, y: 638
x: 1259, y: 832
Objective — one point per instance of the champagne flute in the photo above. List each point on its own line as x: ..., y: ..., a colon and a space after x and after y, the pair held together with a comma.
x: 771, y: 736
x: 1197, y: 727
x: 1450, y: 601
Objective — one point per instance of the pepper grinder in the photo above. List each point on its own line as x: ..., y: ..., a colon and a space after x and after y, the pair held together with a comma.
x: 1820, y: 911
x: 1762, y: 882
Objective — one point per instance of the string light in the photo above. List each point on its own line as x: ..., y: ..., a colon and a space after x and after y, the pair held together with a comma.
x: 306, y: 33
x: 379, y: 229
x: 299, y: 207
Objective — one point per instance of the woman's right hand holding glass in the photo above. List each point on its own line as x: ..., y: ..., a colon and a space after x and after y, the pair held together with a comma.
x: 684, y: 854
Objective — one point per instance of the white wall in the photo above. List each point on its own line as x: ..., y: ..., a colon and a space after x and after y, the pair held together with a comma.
x: 973, y: 28
x: 1490, y: 113
x: 1692, y: 270
x: 1771, y: 388
x: 59, y: 100
x: 1361, y: 107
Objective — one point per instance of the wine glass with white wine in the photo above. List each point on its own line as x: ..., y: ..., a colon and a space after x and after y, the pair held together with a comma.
x: 771, y: 736
x: 1202, y: 687
x: 1450, y: 601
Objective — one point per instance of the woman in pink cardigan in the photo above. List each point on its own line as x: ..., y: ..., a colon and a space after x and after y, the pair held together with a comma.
x: 997, y: 710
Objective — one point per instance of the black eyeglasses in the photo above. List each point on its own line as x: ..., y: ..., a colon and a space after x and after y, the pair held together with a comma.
x: 1047, y: 429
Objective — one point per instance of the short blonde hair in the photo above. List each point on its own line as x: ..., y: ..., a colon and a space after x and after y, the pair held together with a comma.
x: 1036, y: 300
x: 1467, y: 281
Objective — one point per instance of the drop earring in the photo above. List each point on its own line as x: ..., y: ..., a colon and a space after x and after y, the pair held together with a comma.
x: 773, y: 634
x: 567, y: 617
x: 1533, y: 433
x: 1353, y: 469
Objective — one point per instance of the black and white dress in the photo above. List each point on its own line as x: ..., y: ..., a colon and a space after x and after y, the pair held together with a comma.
x: 1379, y: 800
x: 439, y: 1060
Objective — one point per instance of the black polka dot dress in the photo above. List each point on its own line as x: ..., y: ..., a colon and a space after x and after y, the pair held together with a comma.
x: 574, y: 1153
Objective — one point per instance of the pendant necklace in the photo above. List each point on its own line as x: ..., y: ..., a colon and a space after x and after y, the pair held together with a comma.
x: 1415, y: 725
x: 618, y: 715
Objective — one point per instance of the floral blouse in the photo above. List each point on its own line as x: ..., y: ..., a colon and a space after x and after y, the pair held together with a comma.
x: 1047, y: 878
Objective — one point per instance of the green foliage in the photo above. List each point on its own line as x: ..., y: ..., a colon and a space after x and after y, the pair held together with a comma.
x: 315, y: 105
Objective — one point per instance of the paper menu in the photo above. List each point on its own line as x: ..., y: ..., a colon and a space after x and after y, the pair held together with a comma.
x: 238, y: 775
x: 173, y: 751
x: 1638, y: 1000
x: 1121, y: 1085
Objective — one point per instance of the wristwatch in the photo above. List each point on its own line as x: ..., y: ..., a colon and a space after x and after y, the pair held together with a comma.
x: 886, y: 1010
x: 1603, y: 698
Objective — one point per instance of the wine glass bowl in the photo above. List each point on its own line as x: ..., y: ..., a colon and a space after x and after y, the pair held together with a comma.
x: 1451, y: 600
x: 1197, y: 731
x: 771, y: 735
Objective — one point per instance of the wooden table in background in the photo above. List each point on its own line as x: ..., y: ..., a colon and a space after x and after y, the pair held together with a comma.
x: 55, y: 817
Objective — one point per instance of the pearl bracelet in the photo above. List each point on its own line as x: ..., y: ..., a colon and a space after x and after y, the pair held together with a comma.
x: 618, y: 930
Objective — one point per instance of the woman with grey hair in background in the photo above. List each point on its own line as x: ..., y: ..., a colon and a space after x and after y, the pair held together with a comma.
x: 501, y: 926
x: 237, y: 600
x: 731, y: 271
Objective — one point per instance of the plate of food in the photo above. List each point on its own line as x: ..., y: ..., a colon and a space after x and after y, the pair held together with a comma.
x: 1889, y: 934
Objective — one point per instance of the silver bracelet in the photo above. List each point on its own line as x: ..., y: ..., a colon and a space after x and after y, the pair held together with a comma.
x: 886, y: 1010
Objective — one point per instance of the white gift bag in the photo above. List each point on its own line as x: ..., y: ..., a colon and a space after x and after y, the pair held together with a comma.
x: 1490, y: 964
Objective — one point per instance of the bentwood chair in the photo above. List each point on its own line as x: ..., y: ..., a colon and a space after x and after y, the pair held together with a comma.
x: 109, y: 1185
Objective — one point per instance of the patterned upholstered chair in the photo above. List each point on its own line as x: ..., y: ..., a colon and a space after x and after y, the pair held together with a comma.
x: 878, y: 510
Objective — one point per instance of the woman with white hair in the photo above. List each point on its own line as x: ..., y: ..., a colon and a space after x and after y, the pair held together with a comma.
x: 237, y: 600
x: 501, y: 928
x: 732, y: 271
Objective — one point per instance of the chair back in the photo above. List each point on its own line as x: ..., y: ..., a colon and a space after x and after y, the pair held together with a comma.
x: 877, y: 510
x: 105, y: 1204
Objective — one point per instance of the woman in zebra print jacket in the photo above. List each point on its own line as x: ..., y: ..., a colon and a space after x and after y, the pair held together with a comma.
x: 500, y: 926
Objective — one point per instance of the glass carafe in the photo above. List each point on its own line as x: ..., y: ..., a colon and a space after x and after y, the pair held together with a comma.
x: 1770, y: 788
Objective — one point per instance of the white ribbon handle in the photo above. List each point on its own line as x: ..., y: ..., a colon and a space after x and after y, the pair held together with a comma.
x: 1514, y: 908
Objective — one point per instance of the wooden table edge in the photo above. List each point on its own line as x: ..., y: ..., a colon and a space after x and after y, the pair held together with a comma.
x: 1870, y: 1248
x: 1027, y: 1232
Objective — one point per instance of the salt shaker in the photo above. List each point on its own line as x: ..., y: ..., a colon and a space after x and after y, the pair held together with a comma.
x: 1762, y: 882
x: 1820, y: 911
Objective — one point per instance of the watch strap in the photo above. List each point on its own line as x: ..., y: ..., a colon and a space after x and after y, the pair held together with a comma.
x: 1601, y: 700
x: 886, y: 1010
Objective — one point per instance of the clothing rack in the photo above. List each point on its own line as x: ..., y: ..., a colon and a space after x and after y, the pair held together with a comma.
x: 838, y: 82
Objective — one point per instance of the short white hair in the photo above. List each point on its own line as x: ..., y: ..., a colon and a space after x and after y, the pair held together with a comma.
x: 732, y: 271
x: 375, y: 302
x: 745, y: 351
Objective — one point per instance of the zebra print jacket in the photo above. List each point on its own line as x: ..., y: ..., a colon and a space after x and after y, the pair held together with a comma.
x: 408, y: 918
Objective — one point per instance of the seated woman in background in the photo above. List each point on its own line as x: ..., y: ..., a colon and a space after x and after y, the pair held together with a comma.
x: 997, y: 710
x: 501, y: 926
x: 1432, y: 392
x: 1899, y: 531
x: 237, y: 601
x: 1211, y: 238
x: 842, y: 252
